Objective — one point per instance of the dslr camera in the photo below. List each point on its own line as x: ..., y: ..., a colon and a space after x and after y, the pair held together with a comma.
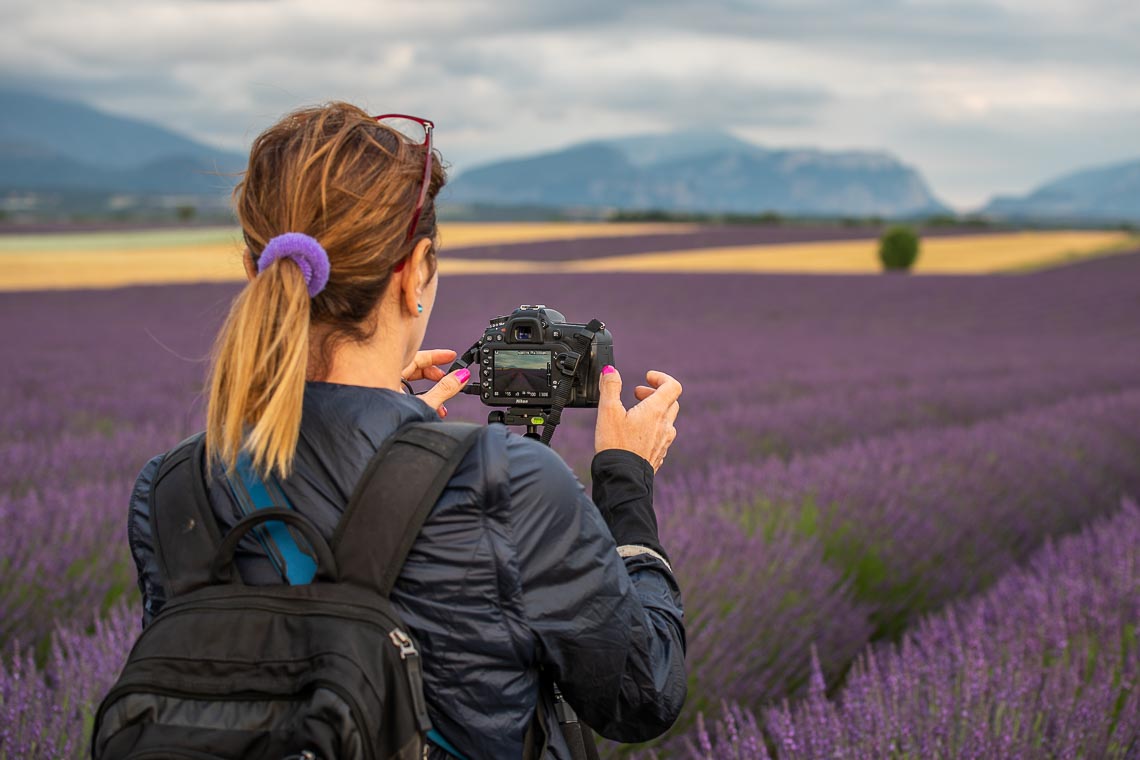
x: 535, y: 363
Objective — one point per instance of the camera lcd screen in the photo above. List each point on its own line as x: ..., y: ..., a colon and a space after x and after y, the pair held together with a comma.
x: 522, y: 374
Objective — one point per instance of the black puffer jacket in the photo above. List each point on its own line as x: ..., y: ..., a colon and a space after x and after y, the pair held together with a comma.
x: 515, y: 569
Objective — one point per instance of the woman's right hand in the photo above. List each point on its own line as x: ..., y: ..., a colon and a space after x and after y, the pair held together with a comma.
x: 646, y: 429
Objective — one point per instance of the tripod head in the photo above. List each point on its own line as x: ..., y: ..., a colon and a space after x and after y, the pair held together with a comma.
x: 531, y: 418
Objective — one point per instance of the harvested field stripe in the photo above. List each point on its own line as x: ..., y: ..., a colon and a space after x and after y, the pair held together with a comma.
x: 149, y: 257
x: 452, y: 235
x: 218, y: 259
x: 708, y: 236
x: 110, y: 269
x: 976, y: 254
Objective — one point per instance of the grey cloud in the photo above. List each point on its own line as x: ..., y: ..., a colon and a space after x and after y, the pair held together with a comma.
x: 1105, y: 32
x: 506, y: 76
x: 713, y: 101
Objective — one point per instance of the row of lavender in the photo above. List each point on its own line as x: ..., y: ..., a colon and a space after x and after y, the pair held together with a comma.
x: 1044, y: 664
x: 876, y: 510
x: 854, y: 544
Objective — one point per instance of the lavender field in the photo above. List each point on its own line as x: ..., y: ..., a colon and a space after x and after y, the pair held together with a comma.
x: 898, y: 506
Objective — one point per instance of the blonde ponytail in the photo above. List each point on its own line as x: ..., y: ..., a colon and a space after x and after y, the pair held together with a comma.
x: 332, y: 174
x: 257, y: 380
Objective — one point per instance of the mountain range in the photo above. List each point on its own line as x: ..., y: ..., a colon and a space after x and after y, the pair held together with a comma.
x: 1107, y: 193
x: 703, y: 172
x: 55, y: 145
x: 52, y: 148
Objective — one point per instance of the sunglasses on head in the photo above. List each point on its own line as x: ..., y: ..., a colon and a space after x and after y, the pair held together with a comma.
x: 418, y: 132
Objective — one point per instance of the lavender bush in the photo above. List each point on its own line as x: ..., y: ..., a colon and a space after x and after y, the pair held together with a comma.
x: 1044, y: 664
x: 749, y: 599
x: 47, y: 712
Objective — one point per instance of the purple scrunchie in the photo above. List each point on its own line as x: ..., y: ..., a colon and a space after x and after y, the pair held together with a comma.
x: 303, y: 249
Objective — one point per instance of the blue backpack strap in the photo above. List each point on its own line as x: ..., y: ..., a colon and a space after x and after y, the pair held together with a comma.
x: 436, y: 738
x: 252, y: 493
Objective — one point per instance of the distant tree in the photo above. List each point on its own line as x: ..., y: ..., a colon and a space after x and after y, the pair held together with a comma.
x: 771, y: 217
x: 942, y: 220
x: 898, y: 248
x: 185, y: 213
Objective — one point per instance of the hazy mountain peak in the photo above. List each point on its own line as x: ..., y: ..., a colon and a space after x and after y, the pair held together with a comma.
x: 1108, y: 192
x: 95, y: 138
x: 76, y: 157
x: 853, y: 160
x: 649, y: 149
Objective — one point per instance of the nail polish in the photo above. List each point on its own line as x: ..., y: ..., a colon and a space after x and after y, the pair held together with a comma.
x: 463, y: 375
x: 608, y: 370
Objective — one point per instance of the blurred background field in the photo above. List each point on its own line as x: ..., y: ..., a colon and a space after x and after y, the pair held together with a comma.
x: 111, y: 259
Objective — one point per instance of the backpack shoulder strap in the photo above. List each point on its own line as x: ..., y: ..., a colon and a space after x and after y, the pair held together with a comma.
x: 251, y: 492
x: 186, y: 536
x: 388, y: 507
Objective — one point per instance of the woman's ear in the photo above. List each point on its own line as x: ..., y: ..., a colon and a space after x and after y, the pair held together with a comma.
x: 250, y: 266
x: 417, y: 274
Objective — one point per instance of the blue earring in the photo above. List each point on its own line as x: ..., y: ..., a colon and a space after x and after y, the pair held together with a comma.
x: 419, y: 308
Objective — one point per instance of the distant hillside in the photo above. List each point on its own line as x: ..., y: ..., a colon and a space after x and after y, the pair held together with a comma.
x: 1108, y: 193
x: 702, y: 171
x: 56, y: 148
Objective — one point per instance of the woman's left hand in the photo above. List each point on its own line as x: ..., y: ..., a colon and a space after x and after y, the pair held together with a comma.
x: 425, y: 366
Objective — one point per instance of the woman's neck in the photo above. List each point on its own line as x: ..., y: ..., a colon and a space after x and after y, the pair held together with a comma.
x: 375, y: 364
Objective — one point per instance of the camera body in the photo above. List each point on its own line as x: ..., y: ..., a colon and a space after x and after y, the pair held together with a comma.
x: 525, y: 357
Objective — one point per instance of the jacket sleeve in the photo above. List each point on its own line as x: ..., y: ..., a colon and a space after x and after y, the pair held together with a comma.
x: 608, y: 628
x: 140, y: 538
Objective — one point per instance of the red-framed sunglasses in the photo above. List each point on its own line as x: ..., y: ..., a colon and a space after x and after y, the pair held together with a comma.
x: 418, y: 132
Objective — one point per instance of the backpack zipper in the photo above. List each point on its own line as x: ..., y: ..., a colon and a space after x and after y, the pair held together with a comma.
x: 404, y: 643
x: 411, y: 657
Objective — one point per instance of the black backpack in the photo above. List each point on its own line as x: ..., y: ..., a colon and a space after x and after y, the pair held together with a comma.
x: 313, y: 672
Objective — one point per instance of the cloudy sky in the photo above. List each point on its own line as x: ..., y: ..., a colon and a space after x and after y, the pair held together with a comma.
x: 983, y: 96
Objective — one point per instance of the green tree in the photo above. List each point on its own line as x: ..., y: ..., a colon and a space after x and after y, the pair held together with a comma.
x: 898, y: 248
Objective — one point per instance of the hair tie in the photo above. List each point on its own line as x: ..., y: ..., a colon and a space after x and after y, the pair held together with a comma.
x: 303, y: 249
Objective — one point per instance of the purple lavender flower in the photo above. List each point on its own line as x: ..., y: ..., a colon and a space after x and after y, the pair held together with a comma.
x: 1044, y: 664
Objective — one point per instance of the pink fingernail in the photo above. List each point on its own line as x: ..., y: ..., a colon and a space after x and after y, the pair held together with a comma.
x: 463, y: 375
x: 442, y: 410
x: 608, y: 369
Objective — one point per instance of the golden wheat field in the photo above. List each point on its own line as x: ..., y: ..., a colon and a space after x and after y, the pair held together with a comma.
x: 112, y: 259
x: 100, y: 260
